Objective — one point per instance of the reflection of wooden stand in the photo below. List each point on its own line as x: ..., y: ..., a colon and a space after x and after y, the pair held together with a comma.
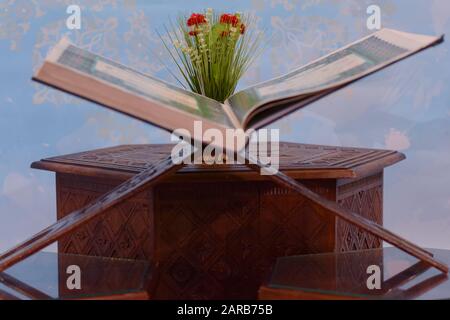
x: 44, y: 276
x: 343, y: 275
x: 163, y: 169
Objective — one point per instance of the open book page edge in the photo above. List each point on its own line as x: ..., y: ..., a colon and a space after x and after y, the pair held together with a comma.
x: 114, y: 98
x: 384, y: 31
x: 293, y: 106
x: 273, y: 104
x: 232, y: 116
x: 56, y: 52
x: 416, y: 44
x: 300, y: 67
x: 409, y: 41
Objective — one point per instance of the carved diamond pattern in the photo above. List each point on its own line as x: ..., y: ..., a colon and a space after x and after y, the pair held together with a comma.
x: 122, y: 233
x: 290, y: 225
x: 368, y: 203
x: 218, y: 229
x: 134, y: 158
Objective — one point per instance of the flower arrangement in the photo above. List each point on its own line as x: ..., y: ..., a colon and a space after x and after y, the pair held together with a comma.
x: 212, y: 51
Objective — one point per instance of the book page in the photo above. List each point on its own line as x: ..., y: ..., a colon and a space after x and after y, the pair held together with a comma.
x: 316, y: 76
x: 137, y: 83
x: 334, y: 70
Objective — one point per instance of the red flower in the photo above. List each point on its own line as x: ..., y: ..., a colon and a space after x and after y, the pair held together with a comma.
x: 225, y: 33
x: 224, y: 18
x: 195, y: 19
x: 242, y: 28
x: 229, y: 19
x: 193, y: 33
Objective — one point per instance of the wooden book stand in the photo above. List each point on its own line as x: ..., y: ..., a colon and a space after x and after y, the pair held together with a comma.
x: 164, y: 168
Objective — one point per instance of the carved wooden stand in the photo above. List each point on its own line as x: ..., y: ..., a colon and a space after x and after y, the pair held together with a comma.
x: 217, y: 230
x: 163, y: 169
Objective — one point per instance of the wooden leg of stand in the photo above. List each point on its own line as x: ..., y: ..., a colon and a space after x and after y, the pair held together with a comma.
x: 22, y: 288
x: 7, y: 296
x: 405, y: 276
x: 418, y: 289
x: 78, y: 218
x: 351, y: 217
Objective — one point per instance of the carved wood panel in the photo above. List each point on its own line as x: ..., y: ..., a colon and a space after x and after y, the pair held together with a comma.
x: 124, y: 232
x: 293, y: 156
x: 220, y: 240
x: 207, y: 239
x: 103, y: 277
x: 364, y: 196
x: 212, y: 240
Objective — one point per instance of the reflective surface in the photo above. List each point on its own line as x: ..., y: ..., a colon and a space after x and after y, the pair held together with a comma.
x: 345, y: 274
x: 404, y: 107
x: 47, y: 275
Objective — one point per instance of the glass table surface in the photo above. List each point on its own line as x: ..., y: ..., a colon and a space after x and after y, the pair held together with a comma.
x: 48, y: 275
x: 347, y: 275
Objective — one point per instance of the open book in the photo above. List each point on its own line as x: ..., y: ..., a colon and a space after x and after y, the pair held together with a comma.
x: 141, y: 96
